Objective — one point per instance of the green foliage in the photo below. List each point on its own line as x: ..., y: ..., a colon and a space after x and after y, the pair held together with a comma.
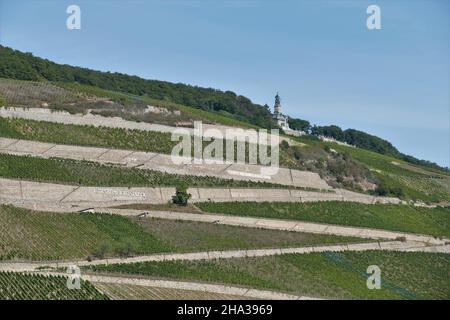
x: 299, y: 124
x: 432, y: 221
x: 339, y: 169
x: 405, y: 275
x: 370, y: 142
x: 23, y: 286
x: 386, y: 189
x: 24, y: 66
x: 181, y: 196
x: 401, y: 178
x: 328, y: 131
x: 87, y: 135
x: 129, y: 100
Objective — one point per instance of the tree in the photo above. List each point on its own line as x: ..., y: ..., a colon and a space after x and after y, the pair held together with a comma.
x: 332, y: 131
x: 24, y: 66
x: 181, y: 196
x: 299, y: 124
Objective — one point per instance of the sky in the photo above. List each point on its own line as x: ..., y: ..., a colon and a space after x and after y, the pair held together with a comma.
x: 328, y: 67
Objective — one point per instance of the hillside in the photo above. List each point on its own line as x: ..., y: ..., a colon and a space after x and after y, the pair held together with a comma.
x: 87, y: 180
x: 370, y: 142
x: 225, y: 106
x: 24, y: 66
x: 351, y: 168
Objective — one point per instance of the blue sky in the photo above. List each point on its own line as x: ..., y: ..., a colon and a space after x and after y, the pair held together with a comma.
x: 328, y: 67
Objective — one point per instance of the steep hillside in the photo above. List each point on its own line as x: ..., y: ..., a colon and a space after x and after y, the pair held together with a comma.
x: 393, y: 176
x: 385, y: 171
x: 224, y: 106
x: 24, y: 66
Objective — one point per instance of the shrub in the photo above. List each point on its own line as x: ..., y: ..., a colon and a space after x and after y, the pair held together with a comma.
x: 102, y: 250
x: 181, y: 196
x: 385, y: 190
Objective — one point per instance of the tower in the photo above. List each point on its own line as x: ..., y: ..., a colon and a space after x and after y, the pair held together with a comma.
x: 277, y: 106
x: 281, y: 120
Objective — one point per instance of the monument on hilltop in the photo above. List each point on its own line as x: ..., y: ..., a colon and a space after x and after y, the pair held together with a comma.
x: 282, y: 120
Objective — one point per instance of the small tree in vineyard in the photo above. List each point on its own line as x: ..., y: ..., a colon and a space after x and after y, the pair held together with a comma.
x: 181, y: 196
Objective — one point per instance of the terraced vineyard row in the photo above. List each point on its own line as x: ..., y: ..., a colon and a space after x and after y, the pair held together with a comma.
x: 30, y: 235
x: 404, y: 275
x: 21, y: 286
x: 98, y: 136
x: 136, y: 292
x: 88, y: 173
x: 432, y: 221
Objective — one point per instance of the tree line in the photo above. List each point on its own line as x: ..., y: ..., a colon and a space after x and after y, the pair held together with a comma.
x: 24, y: 66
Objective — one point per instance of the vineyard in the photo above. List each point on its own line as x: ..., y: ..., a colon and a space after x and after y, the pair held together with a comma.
x: 116, y: 138
x: 84, y: 135
x: 20, y: 286
x: 88, y: 173
x: 394, y: 176
x: 136, y: 292
x: 32, y: 235
x: 432, y: 221
x: 327, y: 275
x: 189, y: 236
x: 33, y: 242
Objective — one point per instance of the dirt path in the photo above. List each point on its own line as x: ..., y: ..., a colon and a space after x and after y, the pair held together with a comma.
x: 241, y: 292
x: 42, y: 192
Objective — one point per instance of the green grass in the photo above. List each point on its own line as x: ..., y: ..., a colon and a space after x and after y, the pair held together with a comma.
x: 432, y: 221
x: 22, y: 286
x: 89, y: 173
x: 32, y: 235
x: 327, y: 275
